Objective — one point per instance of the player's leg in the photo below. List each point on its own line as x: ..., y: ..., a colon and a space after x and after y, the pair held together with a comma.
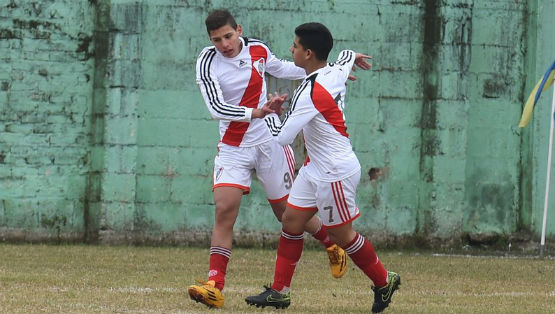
x: 364, y: 256
x: 336, y: 255
x: 340, y: 212
x: 289, y: 252
x: 301, y: 208
x: 275, y: 170
x: 227, y: 200
x: 361, y: 252
x: 231, y: 181
x: 313, y: 226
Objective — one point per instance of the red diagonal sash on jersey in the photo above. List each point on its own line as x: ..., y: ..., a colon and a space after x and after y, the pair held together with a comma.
x: 236, y: 130
x: 325, y: 104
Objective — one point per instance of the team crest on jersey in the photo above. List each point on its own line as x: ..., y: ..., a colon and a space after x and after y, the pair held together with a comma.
x: 259, y: 65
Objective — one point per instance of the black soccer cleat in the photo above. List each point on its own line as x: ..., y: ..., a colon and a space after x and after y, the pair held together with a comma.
x: 270, y: 297
x: 382, y: 296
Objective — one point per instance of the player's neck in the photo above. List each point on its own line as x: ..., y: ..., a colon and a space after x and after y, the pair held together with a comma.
x: 314, y: 65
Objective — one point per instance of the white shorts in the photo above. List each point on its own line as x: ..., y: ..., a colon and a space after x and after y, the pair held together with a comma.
x: 274, y: 166
x: 335, y: 201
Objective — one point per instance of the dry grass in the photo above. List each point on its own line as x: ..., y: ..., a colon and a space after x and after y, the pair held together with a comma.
x: 94, y: 279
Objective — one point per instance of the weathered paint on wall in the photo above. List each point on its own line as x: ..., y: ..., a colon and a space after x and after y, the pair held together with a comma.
x: 46, y: 89
x: 104, y: 135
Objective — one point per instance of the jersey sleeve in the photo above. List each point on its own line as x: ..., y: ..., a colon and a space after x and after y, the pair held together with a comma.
x: 345, y: 61
x: 273, y: 122
x: 212, y: 93
x: 302, y: 110
x: 282, y: 68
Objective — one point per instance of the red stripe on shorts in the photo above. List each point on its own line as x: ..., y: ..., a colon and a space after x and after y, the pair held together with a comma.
x: 338, y: 204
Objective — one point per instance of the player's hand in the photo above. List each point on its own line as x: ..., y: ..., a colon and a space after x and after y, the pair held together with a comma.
x: 276, y: 102
x: 261, y: 113
x: 360, y: 61
x: 273, y: 105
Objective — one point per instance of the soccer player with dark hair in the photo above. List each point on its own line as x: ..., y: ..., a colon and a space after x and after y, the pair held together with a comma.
x: 231, y: 77
x: 326, y: 184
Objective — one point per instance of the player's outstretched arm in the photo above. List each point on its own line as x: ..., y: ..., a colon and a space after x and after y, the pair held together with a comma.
x: 361, y: 62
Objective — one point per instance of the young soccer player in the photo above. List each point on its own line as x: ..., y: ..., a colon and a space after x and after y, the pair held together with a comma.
x: 230, y: 75
x: 327, y: 182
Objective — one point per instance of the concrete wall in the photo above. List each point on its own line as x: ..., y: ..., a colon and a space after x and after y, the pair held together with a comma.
x: 46, y: 75
x: 104, y: 135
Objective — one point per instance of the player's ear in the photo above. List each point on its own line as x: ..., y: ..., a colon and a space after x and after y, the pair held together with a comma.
x: 239, y: 29
x: 309, y: 53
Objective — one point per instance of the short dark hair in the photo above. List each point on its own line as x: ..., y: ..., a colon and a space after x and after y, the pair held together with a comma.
x: 316, y: 37
x: 219, y: 18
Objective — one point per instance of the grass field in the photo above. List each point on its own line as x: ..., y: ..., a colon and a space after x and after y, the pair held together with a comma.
x: 94, y: 279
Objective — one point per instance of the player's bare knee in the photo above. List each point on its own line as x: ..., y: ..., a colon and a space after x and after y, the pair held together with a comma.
x: 226, y: 211
x: 292, y: 222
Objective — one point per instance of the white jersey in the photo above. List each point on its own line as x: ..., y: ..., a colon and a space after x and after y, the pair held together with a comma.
x: 317, y: 109
x: 233, y: 87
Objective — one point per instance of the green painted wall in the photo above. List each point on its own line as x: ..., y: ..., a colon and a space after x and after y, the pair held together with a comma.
x: 45, y: 100
x: 104, y: 136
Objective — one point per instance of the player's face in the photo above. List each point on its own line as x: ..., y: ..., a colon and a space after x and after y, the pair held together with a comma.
x: 226, y: 40
x: 298, y: 52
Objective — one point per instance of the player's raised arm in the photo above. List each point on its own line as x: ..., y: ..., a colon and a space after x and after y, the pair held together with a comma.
x: 283, y: 69
x: 360, y: 60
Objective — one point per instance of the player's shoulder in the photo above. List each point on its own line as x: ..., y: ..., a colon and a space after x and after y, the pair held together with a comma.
x: 206, y: 57
x: 251, y: 41
x: 209, y: 50
x: 325, y: 77
x: 311, y: 78
x: 307, y: 85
